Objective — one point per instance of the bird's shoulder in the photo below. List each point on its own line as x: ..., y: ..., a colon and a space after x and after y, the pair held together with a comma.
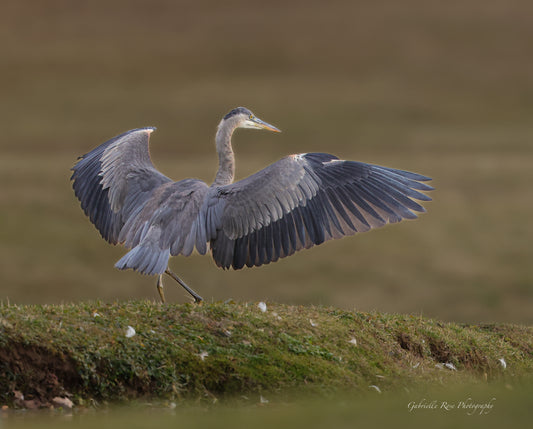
x: 288, y: 170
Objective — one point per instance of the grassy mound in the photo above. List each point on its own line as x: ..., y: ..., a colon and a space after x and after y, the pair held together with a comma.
x: 97, y: 351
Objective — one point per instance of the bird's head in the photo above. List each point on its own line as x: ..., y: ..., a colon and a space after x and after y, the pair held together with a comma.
x: 241, y: 117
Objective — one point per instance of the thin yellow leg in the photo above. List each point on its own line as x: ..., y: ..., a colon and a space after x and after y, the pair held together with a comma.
x: 160, y: 287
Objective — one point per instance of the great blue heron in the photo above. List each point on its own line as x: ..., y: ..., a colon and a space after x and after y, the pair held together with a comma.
x: 297, y: 202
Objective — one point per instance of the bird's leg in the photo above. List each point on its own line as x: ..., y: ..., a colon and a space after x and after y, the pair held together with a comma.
x: 160, y: 287
x: 197, y: 298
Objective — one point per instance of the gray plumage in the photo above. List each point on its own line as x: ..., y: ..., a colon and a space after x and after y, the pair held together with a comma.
x: 295, y: 203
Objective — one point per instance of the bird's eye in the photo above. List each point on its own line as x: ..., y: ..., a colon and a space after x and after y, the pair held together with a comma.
x: 251, y: 117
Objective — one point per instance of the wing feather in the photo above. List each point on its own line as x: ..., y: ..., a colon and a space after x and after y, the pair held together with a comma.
x: 114, y: 178
x: 130, y: 202
x: 303, y: 200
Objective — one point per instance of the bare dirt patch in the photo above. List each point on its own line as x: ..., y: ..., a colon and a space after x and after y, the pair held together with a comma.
x: 39, y: 373
x: 408, y: 344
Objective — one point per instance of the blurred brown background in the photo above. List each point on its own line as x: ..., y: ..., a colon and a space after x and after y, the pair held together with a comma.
x: 441, y: 88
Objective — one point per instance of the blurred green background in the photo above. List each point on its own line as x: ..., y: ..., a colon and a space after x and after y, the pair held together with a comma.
x: 441, y: 88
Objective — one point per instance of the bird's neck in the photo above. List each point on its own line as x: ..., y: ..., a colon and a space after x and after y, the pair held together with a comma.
x: 226, y: 159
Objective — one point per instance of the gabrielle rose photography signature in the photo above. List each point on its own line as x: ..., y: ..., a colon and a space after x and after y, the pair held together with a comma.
x: 470, y: 406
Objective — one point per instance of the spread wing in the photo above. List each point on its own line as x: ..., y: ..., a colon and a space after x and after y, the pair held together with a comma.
x: 130, y: 202
x: 115, y: 179
x: 304, y: 200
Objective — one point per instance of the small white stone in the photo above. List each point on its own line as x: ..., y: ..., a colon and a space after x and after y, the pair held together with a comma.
x: 450, y: 366
x: 262, y: 306
x: 130, y: 332
x: 62, y: 402
x: 353, y: 341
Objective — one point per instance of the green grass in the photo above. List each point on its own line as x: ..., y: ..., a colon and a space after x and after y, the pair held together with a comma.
x: 225, y: 351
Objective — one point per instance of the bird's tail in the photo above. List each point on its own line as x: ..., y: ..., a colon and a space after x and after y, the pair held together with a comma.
x: 145, y: 259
